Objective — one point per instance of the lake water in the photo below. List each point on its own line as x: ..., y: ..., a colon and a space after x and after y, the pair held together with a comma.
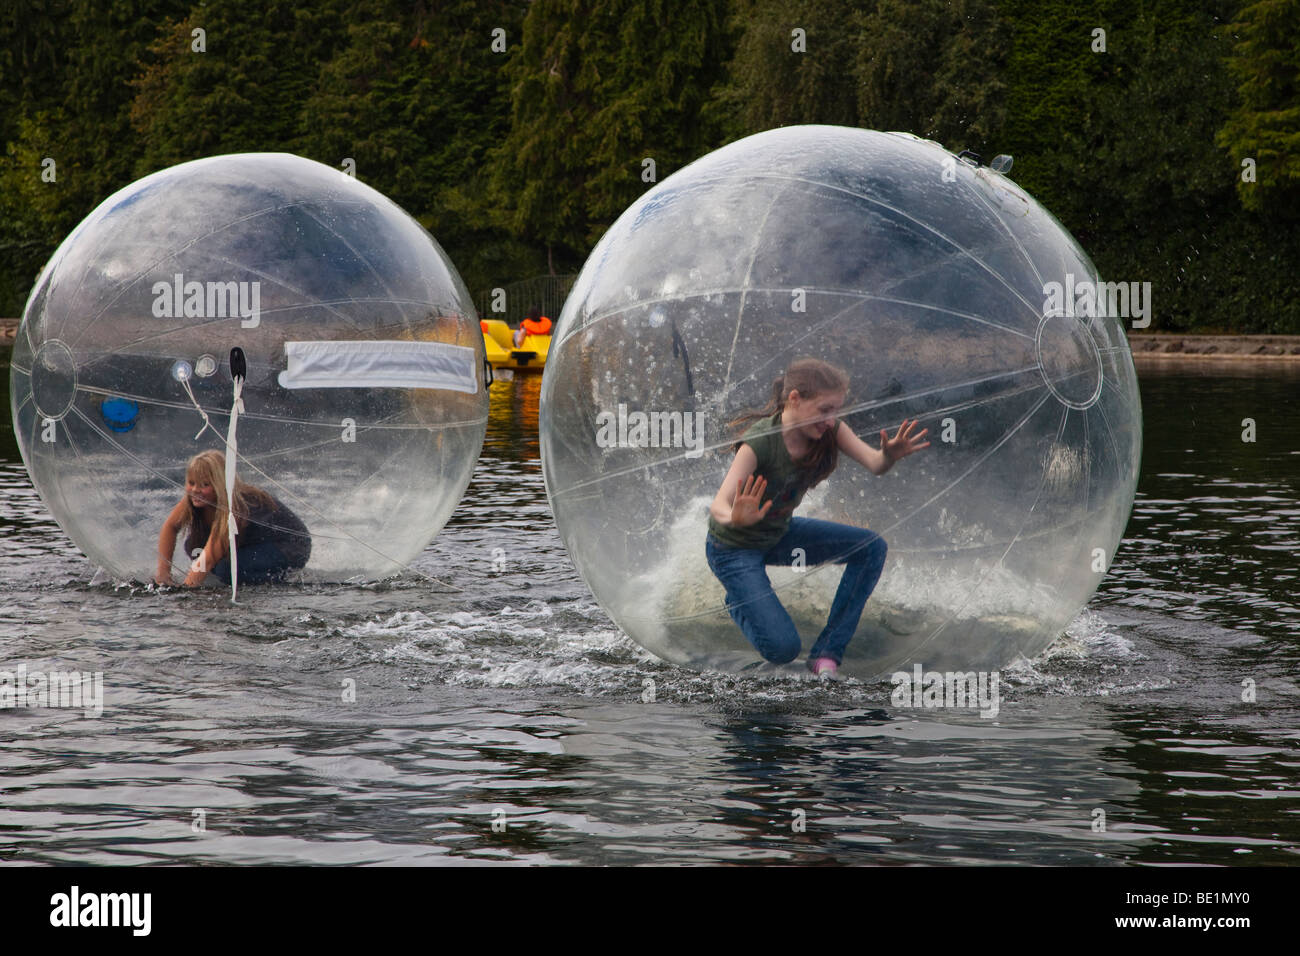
x: 509, y: 698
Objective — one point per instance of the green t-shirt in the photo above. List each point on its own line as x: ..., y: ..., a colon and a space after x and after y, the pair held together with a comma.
x: 786, y: 484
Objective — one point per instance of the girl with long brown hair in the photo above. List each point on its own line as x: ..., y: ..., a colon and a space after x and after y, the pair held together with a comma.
x: 271, y: 540
x: 792, y: 446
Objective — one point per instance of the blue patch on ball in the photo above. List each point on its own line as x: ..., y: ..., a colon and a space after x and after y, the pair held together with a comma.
x: 120, y: 414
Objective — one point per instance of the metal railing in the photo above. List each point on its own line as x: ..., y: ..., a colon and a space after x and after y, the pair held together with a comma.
x: 546, y: 293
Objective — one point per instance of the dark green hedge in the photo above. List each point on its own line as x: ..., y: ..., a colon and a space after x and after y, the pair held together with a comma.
x: 518, y: 160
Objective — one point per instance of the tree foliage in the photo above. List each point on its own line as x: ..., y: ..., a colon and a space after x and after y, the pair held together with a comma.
x: 781, y: 78
x: 518, y: 130
x: 598, y: 87
x: 934, y: 68
x: 1265, y: 124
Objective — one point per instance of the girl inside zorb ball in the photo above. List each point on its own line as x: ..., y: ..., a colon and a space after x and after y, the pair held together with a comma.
x: 272, y: 540
x: 891, y: 289
x: 794, y: 445
x: 278, y: 310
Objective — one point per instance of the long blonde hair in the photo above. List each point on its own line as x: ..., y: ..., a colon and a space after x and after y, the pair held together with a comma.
x: 809, y: 377
x: 210, y: 467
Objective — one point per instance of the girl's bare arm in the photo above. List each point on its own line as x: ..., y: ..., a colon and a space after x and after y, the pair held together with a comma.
x: 891, y: 450
x: 742, y: 466
x: 872, y: 459
x: 171, y: 529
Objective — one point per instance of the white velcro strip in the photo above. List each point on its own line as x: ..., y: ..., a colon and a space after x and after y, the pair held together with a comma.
x: 384, y: 364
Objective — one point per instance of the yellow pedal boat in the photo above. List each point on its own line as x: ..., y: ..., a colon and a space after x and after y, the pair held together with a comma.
x: 498, y: 340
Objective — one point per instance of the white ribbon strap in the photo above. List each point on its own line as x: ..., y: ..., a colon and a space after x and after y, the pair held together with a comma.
x: 232, y: 451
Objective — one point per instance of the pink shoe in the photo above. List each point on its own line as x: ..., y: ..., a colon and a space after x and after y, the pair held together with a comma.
x: 823, y: 666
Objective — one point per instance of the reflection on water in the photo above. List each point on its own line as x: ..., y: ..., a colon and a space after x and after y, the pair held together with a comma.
x: 513, y: 417
x: 510, y: 690
x: 1216, y: 527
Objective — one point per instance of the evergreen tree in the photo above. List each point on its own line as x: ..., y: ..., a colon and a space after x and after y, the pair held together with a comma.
x: 232, y: 76
x: 418, y: 98
x: 517, y: 160
x: 794, y: 63
x: 65, y: 80
x: 934, y: 69
x: 1160, y: 198
x: 1058, y: 78
x: 598, y: 88
x: 1265, y: 126
x: 33, y: 39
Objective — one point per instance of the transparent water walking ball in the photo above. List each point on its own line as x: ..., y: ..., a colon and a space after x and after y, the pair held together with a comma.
x: 364, y: 402
x: 929, y: 279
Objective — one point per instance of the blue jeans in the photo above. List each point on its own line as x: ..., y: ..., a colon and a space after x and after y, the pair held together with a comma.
x: 754, y: 606
x: 258, y: 564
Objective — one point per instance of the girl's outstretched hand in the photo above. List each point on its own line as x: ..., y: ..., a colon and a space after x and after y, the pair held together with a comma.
x: 903, y: 443
x: 198, y: 574
x: 748, y: 508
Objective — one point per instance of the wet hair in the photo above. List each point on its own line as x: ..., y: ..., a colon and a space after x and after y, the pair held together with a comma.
x: 210, y: 467
x: 811, y: 378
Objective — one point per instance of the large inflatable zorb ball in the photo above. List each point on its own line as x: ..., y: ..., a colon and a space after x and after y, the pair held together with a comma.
x: 930, y: 281
x: 364, y: 403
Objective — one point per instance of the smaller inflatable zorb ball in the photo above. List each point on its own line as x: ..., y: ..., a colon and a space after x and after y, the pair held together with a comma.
x: 948, y: 295
x: 364, y: 403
